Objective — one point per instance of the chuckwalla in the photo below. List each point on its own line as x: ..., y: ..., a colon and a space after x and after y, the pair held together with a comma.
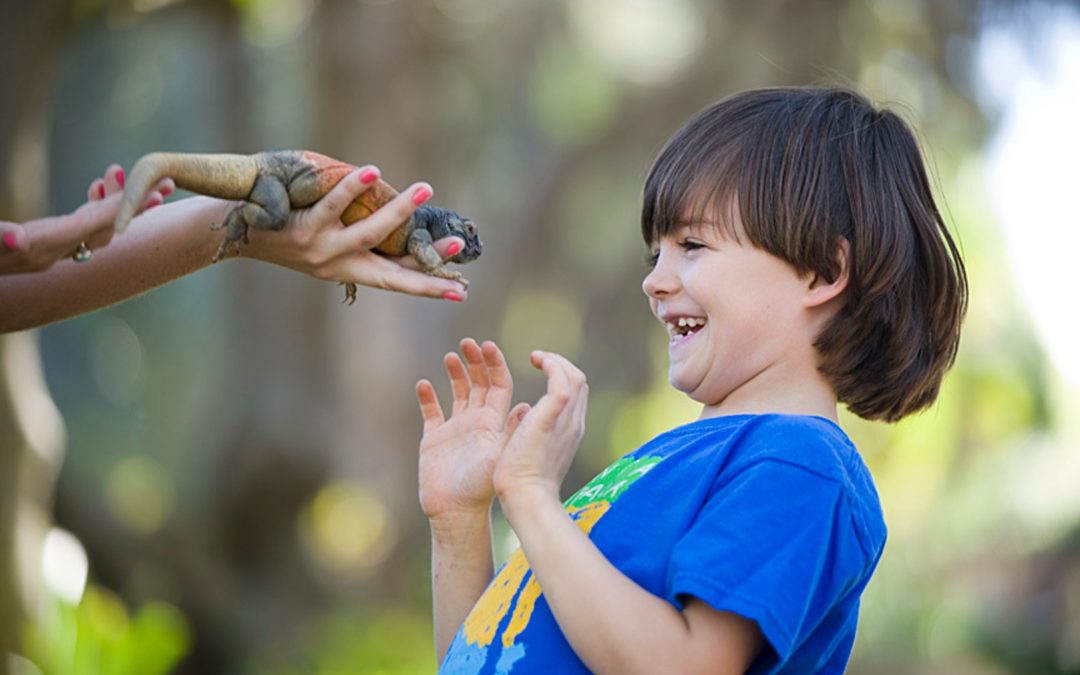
x: 274, y: 182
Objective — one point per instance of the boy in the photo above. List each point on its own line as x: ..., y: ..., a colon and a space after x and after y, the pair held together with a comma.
x: 798, y: 262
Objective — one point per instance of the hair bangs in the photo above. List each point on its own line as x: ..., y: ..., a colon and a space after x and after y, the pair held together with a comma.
x: 694, y: 181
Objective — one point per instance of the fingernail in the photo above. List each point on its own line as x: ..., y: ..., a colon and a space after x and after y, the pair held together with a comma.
x: 120, y: 177
x: 152, y: 203
x: 101, y: 190
x: 165, y: 191
x: 9, y: 240
x: 421, y: 196
x: 367, y: 176
x: 454, y: 249
x: 452, y: 296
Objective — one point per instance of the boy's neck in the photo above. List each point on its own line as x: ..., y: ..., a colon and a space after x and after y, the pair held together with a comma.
x: 789, y: 391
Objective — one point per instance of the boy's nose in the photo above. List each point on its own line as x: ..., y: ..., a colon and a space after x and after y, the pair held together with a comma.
x: 659, y: 283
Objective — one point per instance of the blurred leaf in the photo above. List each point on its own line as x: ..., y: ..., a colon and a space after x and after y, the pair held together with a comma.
x: 99, y: 637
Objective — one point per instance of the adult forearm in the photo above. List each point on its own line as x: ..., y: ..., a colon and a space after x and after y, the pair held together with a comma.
x: 614, y: 625
x: 461, y: 568
x: 162, y: 244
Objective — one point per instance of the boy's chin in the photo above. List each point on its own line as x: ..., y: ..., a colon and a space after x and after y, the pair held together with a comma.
x: 684, y: 385
x: 694, y: 389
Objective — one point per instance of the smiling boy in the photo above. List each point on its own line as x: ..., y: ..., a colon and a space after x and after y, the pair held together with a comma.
x: 799, y: 262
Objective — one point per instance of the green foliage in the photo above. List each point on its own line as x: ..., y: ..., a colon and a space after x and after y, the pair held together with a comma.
x: 101, y: 637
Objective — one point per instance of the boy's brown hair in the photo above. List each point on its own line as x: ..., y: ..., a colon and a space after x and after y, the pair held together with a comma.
x: 807, y: 168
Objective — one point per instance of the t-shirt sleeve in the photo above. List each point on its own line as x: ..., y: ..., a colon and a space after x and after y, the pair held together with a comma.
x: 775, y: 544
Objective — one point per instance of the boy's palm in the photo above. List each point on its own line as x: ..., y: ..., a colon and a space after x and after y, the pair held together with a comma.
x: 458, y: 455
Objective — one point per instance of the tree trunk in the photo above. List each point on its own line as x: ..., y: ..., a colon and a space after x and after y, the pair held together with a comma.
x: 31, y: 430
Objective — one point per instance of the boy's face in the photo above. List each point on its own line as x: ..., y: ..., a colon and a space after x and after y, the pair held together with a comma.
x: 735, y: 315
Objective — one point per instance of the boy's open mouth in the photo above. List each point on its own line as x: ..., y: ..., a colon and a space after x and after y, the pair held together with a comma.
x: 683, y: 327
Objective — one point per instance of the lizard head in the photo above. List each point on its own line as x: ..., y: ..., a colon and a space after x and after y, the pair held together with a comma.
x: 446, y: 223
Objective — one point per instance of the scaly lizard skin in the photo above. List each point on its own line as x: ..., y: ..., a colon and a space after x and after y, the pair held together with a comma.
x: 272, y: 183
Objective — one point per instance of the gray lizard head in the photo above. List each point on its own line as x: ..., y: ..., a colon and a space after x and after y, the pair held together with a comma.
x: 442, y: 222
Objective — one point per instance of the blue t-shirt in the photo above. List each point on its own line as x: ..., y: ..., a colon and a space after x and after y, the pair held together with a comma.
x: 772, y: 517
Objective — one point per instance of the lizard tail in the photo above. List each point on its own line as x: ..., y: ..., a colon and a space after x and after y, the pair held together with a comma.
x: 225, y: 176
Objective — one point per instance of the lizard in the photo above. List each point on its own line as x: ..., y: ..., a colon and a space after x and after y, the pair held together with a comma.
x: 274, y: 182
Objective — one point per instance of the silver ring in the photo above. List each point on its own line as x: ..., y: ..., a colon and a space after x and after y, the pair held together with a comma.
x: 82, y: 253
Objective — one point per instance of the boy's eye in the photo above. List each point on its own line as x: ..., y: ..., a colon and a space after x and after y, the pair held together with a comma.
x: 690, y: 245
x: 651, y: 258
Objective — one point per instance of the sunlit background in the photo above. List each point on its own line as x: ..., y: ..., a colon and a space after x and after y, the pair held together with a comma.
x: 232, y: 487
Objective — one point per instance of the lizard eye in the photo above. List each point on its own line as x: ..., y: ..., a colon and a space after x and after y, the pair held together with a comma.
x: 470, y: 227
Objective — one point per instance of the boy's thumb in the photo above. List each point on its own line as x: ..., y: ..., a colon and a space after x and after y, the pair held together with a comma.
x: 513, y: 420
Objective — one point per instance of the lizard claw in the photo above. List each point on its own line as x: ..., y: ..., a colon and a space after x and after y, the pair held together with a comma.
x: 350, y: 292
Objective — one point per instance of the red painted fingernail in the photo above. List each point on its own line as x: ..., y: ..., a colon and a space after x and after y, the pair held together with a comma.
x: 452, y: 296
x: 454, y: 249
x: 9, y: 240
x: 101, y: 190
x: 120, y: 177
x: 165, y: 191
x: 421, y: 196
x: 152, y: 203
x: 368, y: 176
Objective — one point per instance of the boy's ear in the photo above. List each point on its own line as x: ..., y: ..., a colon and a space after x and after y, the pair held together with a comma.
x: 820, y: 290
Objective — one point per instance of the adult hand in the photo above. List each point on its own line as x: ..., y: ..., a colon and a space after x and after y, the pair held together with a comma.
x: 541, y: 441
x: 457, y: 455
x: 36, y: 245
x: 316, y: 242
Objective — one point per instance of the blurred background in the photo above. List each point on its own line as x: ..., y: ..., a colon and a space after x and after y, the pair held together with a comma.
x: 220, y: 476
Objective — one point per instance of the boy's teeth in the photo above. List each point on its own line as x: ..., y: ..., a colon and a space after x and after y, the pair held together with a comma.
x: 683, y: 325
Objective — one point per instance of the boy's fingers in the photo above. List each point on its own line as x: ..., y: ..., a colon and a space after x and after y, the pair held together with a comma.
x: 513, y: 420
x: 574, y: 376
x: 459, y: 381
x: 574, y: 413
x: 371, y: 231
x: 555, y: 401
x: 478, y: 375
x: 429, y: 404
x: 578, y: 410
x: 502, y: 384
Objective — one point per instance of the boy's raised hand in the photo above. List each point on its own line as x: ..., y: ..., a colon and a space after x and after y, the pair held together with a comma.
x: 458, y: 455
x: 541, y: 441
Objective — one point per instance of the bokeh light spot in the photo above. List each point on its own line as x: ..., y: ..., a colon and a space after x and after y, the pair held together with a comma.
x: 64, y: 565
x: 641, y: 41
x: 348, y: 529
x: 541, y: 319
x: 117, y: 361
x: 573, y: 99
x: 139, y: 494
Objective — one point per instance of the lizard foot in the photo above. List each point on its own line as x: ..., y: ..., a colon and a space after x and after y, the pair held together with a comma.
x: 444, y: 273
x: 350, y: 292
x: 236, y: 232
